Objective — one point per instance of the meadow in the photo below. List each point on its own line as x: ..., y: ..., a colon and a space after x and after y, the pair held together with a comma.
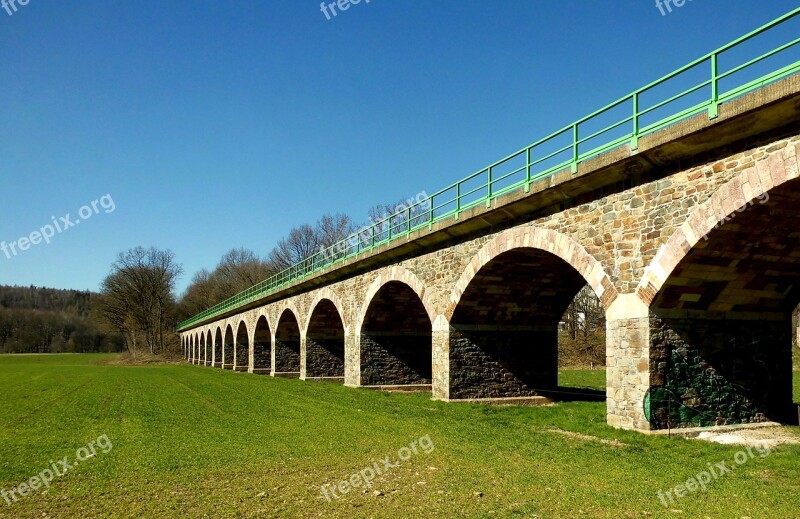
x: 199, y: 442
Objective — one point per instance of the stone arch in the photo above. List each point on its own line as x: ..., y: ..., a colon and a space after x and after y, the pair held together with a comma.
x: 218, y: 345
x: 395, y: 332
x: 333, y: 297
x: 325, y: 340
x: 209, y: 348
x: 505, y: 311
x: 263, y: 312
x: 262, y: 343
x: 228, y: 339
x: 282, y: 307
x: 287, y: 343
x: 556, y: 243
x: 198, y: 351
x: 741, y: 190
x: 401, y: 275
x: 241, y: 346
x: 719, y: 295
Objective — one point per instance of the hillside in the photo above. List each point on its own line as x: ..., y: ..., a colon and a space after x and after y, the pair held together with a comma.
x: 48, y: 320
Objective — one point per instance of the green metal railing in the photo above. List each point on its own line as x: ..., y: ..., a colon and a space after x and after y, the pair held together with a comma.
x: 560, y: 150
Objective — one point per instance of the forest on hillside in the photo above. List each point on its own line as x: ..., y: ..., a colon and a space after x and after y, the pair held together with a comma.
x: 47, y: 320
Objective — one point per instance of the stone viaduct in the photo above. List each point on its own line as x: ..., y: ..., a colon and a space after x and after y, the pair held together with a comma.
x: 689, y: 242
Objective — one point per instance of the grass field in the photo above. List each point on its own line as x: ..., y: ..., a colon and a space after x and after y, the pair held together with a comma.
x: 198, y: 442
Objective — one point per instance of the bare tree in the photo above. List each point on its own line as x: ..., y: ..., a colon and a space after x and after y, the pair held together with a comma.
x: 398, y: 217
x: 333, y: 228
x: 301, y: 243
x: 583, y: 330
x: 238, y: 270
x: 138, y: 296
x: 306, y: 240
x: 199, y: 295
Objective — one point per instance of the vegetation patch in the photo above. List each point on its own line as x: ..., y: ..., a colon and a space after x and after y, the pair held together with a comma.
x: 193, y: 441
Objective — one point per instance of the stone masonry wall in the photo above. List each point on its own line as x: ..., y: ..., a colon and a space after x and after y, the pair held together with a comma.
x: 719, y: 372
x: 613, y: 240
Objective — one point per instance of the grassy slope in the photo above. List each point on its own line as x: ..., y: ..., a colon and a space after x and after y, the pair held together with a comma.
x: 197, y: 442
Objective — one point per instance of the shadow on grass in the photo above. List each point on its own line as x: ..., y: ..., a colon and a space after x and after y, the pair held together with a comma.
x: 574, y: 394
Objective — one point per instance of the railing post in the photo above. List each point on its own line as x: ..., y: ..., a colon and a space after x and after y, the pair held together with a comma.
x: 458, y: 199
x: 575, y: 148
x: 489, y: 188
x: 528, y: 170
x: 635, y: 137
x: 713, y: 110
x: 430, y: 212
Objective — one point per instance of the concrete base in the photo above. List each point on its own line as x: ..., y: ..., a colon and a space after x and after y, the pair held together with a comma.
x: 516, y: 401
x: 401, y: 388
x: 227, y: 366
x: 338, y: 380
x: 286, y: 374
x: 241, y: 369
x: 691, y: 432
x: 261, y: 371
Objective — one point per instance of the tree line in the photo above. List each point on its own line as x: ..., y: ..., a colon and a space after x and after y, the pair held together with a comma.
x: 138, y: 298
x: 47, y: 320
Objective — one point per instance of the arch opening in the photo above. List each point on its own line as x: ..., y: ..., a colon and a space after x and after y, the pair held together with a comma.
x: 228, y: 349
x: 218, y: 348
x: 262, y: 347
x: 504, y: 332
x: 209, y: 349
x: 582, y: 349
x: 203, y: 349
x: 721, y: 328
x: 325, y: 343
x: 241, y: 353
x: 396, y: 339
x: 287, y: 346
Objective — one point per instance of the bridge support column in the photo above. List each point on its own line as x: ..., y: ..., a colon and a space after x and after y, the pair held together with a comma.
x: 272, y: 357
x: 251, y: 350
x: 303, y: 355
x: 628, y: 371
x: 440, y: 379
x: 352, y: 359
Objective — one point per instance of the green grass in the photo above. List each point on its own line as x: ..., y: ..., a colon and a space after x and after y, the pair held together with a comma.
x: 797, y: 386
x: 198, y: 442
x: 583, y: 378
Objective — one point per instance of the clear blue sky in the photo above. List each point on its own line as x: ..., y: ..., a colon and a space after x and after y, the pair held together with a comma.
x: 220, y: 124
